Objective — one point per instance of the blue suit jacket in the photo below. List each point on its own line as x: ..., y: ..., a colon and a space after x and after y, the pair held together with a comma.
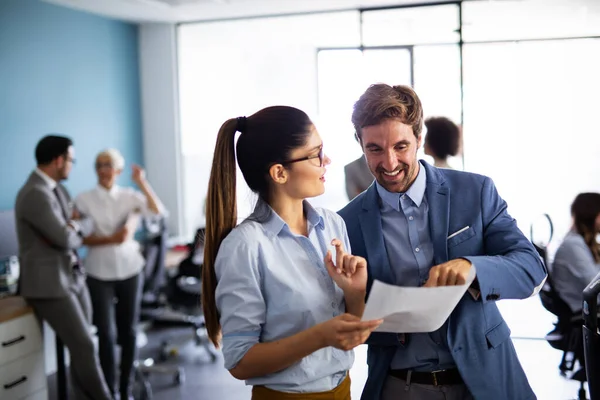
x: 507, y: 265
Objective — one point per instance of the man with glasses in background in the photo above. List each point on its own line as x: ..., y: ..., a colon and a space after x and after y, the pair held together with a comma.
x: 52, y: 278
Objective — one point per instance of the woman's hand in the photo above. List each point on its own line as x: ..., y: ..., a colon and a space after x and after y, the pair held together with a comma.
x: 346, y: 331
x: 349, y: 272
x: 120, y: 236
x: 138, y: 175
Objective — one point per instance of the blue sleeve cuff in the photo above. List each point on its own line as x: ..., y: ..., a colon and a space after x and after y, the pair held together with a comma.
x: 236, y: 345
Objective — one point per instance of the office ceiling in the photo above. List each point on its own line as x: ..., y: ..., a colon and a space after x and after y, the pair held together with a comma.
x: 198, y: 10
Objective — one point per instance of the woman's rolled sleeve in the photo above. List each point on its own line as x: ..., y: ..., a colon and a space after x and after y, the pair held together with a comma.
x: 235, y: 347
x: 239, y: 298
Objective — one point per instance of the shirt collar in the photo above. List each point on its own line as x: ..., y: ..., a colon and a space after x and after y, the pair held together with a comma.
x: 49, y: 181
x: 112, y: 192
x: 415, y: 192
x: 274, y: 224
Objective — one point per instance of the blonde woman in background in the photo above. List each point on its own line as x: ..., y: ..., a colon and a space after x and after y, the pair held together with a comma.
x: 114, y: 262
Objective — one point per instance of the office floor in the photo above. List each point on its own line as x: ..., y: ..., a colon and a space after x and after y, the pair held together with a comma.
x: 529, y: 322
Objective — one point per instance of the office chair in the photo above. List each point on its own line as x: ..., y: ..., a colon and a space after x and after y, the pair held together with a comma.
x: 567, y: 333
x: 591, y: 336
x: 155, y: 250
x: 184, y: 290
x: 174, y: 304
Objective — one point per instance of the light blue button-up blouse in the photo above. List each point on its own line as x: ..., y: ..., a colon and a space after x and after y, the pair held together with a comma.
x: 272, y: 284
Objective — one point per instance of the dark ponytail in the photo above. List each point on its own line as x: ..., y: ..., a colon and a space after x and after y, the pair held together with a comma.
x: 221, y: 218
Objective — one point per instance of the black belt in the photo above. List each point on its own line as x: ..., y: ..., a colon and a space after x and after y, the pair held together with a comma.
x: 437, y: 378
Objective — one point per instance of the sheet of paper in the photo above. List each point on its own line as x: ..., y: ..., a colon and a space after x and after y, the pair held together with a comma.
x: 413, y: 309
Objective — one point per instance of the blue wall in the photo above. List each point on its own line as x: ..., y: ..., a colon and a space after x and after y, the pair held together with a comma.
x: 67, y: 72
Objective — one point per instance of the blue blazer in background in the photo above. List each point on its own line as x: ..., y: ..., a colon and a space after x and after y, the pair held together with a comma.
x: 507, y: 266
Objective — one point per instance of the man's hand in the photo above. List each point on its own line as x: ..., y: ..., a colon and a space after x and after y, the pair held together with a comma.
x: 349, y: 272
x: 138, y: 175
x: 453, y: 272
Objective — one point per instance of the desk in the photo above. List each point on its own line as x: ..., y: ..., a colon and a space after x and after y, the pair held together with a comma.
x: 22, y: 366
x: 13, y: 307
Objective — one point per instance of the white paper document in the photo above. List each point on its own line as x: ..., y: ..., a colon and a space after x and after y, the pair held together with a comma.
x: 413, y: 309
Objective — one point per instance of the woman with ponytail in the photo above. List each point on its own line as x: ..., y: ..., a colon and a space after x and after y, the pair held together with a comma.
x: 577, y: 260
x: 280, y: 293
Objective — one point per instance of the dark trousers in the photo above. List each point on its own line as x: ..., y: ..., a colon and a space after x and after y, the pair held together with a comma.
x: 116, y: 311
x: 398, y: 389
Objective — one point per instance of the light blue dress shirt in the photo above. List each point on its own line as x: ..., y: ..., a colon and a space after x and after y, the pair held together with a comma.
x: 272, y: 284
x: 405, y: 223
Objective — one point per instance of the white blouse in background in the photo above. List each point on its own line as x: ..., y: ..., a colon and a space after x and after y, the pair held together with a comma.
x: 110, y: 209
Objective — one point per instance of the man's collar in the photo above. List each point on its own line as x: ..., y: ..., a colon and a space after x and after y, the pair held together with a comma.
x: 415, y: 192
x: 49, y: 181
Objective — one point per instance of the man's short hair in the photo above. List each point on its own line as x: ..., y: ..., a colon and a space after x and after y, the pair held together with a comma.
x: 381, y: 102
x: 443, y: 137
x: 51, y: 147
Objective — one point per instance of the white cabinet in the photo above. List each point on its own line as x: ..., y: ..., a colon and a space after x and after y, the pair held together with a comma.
x: 22, y: 372
x: 18, y: 337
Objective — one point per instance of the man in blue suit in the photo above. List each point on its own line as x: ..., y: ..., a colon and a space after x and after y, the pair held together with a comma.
x: 418, y: 225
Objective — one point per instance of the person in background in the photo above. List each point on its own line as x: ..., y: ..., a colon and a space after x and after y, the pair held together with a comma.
x: 52, y: 277
x: 114, y: 262
x: 422, y: 226
x: 288, y: 312
x: 577, y: 260
x: 358, y: 177
x: 442, y: 140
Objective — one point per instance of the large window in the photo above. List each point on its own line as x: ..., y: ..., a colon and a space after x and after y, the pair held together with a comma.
x: 530, y: 123
x: 316, y: 63
x: 529, y: 105
x: 234, y: 68
x: 343, y: 77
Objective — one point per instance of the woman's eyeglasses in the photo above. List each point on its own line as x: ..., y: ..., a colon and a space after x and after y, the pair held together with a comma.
x: 100, y: 165
x: 319, y: 156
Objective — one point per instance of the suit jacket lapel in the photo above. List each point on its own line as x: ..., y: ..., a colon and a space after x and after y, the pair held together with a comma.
x: 62, y: 201
x: 370, y: 223
x: 35, y: 179
x: 438, y: 198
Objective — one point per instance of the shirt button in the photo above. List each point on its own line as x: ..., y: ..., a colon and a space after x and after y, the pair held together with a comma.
x: 403, y: 197
x: 410, y: 218
x: 417, y: 249
x: 333, y: 304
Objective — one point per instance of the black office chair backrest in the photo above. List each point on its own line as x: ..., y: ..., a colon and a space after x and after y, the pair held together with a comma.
x: 592, y: 336
x: 567, y: 335
x: 541, y: 246
x: 155, y: 250
x: 548, y: 294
